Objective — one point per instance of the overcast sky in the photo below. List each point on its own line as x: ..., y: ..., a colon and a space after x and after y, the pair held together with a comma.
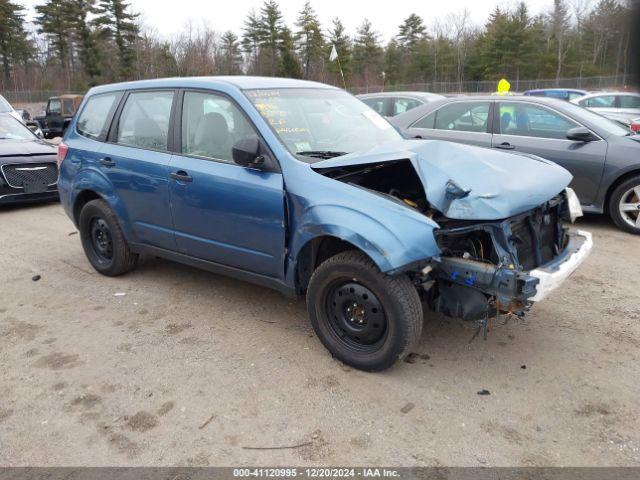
x: 170, y: 16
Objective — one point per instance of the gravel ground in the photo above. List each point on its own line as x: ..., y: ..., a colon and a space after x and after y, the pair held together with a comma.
x: 169, y: 365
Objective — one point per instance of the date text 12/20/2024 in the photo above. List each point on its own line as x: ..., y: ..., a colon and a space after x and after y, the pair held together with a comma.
x: 316, y: 472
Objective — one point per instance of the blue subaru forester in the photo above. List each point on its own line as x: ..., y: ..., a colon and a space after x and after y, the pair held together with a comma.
x: 301, y: 187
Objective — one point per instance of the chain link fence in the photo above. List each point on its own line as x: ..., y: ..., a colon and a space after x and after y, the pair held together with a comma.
x: 467, y: 87
x: 488, y: 86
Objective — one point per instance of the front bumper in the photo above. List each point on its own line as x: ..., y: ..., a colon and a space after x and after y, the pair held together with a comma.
x: 554, y: 273
x: 15, y: 198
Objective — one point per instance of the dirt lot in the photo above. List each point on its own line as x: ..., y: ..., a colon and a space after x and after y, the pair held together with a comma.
x: 189, y: 368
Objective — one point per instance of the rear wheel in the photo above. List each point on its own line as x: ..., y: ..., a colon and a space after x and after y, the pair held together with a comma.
x: 103, y: 241
x: 624, y: 205
x: 365, y: 318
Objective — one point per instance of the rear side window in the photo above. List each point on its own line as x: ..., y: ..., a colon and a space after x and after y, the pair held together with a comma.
x: 426, y: 121
x: 629, y: 101
x: 93, y: 122
x: 603, y: 101
x: 377, y: 104
x: 144, y: 121
x: 464, y: 117
x: 401, y: 105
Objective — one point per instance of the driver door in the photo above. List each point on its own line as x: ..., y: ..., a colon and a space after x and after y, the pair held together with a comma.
x: 530, y: 128
x: 223, y: 212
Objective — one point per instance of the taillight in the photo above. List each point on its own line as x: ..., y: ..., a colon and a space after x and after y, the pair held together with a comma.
x: 62, y: 152
x: 635, y: 127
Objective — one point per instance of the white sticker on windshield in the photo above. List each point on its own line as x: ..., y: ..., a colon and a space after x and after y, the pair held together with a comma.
x: 376, y: 119
x: 303, y: 146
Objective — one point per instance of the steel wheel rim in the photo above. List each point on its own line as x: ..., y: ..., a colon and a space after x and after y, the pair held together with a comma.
x: 356, y: 316
x: 101, y: 240
x: 629, y: 206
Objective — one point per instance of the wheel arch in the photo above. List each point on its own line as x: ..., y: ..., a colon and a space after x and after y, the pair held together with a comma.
x: 82, y: 198
x: 621, y: 179
x: 316, y: 251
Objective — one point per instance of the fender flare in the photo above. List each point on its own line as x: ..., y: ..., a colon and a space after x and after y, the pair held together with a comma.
x: 389, y: 250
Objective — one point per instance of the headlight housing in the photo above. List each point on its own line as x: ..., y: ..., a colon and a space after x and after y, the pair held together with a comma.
x: 573, y: 204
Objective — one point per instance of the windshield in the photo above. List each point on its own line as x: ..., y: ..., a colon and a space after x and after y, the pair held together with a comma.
x: 10, y: 128
x: 4, y: 105
x: 316, y: 123
x: 608, y: 126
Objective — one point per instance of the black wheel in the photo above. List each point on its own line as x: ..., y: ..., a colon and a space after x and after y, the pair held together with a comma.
x: 365, y: 318
x: 624, y: 205
x: 102, y: 240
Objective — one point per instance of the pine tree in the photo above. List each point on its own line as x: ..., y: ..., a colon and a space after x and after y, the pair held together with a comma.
x: 77, y: 13
x: 270, y: 28
x: 116, y: 23
x: 14, y: 46
x: 53, y: 22
x: 230, y: 55
x: 289, y: 67
x: 251, y: 36
x: 411, y: 32
x: 309, y: 39
x: 338, y: 37
x: 367, y: 52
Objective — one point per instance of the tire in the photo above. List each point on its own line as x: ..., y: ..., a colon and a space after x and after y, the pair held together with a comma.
x: 627, y: 193
x: 365, y: 318
x: 103, y: 241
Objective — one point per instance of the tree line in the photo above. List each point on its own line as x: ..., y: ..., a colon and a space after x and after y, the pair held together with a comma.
x: 74, y: 44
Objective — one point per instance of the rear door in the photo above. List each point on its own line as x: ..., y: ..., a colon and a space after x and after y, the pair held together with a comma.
x: 136, y: 162
x: 467, y: 121
x: 403, y: 104
x: 223, y: 212
x: 540, y: 130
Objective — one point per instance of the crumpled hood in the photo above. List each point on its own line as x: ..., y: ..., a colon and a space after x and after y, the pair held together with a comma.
x: 499, y: 184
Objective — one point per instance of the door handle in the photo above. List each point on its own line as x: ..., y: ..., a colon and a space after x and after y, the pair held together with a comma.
x: 182, y: 176
x: 505, y: 146
x: 417, y: 136
x: 107, y: 162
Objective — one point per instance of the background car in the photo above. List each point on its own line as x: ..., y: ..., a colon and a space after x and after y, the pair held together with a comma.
x: 603, y: 157
x: 28, y: 169
x: 390, y: 104
x: 58, y: 114
x: 561, y: 93
x: 6, y: 108
x: 615, y: 105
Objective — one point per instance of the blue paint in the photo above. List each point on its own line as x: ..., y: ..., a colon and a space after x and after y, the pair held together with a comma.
x: 259, y: 221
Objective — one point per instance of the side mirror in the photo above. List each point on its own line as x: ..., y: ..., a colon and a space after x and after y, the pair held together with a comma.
x: 246, y: 152
x: 581, y: 134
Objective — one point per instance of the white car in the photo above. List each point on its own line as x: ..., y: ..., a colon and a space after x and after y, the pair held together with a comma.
x: 5, y: 107
x: 618, y: 106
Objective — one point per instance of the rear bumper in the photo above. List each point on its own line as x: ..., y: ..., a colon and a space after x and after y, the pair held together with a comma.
x: 554, y: 273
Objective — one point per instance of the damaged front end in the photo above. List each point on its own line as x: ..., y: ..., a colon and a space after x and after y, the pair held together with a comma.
x: 502, y: 241
x: 490, y: 268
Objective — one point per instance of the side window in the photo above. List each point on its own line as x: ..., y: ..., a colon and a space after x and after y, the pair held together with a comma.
x: 533, y: 121
x: 54, y: 106
x: 401, y: 105
x: 211, y: 125
x: 602, y: 101
x: 377, y: 104
x: 67, y: 106
x: 144, y: 121
x: 92, y: 122
x: 426, y: 122
x: 629, y: 101
x: 574, y: 95
x: 464, y: 117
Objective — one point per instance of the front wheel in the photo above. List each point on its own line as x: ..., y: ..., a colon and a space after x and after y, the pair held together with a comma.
x: 365, y: 318
x: 624, y: 205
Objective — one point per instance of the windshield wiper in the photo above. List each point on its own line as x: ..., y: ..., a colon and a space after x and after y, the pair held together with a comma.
x: 321, y: 153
